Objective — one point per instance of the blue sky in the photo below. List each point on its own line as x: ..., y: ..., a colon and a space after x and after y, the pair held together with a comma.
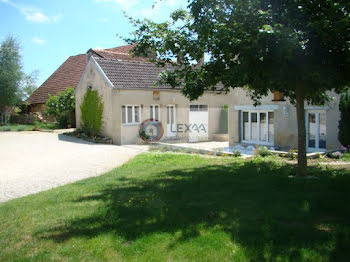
x: 50, y: 31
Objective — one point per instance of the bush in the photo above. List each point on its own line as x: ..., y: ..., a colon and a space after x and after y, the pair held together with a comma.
x: 237, y: 153
x: 20, y: 128
x: 224, y: 120
x: 6, y: 128
x: 164, y: 148
x: 188, y: 150
x: 263, y: 151
x: 336, y: 155
x: 62, y: 107
x: 292, y: 153
x: 91, y: 113
x: 344, y: 126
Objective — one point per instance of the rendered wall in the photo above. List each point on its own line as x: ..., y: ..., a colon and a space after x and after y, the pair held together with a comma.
x: 285, y: 120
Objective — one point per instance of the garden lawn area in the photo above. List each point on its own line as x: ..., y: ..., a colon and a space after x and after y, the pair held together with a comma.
x: 178, y: 207
x: 18, y: 127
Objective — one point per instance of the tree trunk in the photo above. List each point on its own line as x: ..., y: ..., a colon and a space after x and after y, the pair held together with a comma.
x: 302, y: 160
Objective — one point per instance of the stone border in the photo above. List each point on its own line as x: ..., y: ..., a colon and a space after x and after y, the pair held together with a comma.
x: 107, y: 141
x: 177, y: 148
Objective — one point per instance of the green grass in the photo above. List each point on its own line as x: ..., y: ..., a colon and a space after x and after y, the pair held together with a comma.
x: 16, y: 127
x: 346, y: 156
x: 177, y: 207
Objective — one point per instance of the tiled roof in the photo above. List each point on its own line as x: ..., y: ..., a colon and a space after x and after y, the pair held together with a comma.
x: 130, y: 74
x: 70, y: 72
x: 120, y: 52
x: 67, y: 75
x: 133, y: 74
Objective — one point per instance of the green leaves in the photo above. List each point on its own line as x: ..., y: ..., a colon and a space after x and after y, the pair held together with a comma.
x: 267, y: 45
x: 62, y: 107
x: 91, y: 112
x: 10, y: 72
x: 344, y: 122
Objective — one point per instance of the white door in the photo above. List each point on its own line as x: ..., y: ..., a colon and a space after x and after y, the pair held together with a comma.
x: 198, y: 123
x: 171, y: 121
x: 316, y: 131
x: 257, y: 127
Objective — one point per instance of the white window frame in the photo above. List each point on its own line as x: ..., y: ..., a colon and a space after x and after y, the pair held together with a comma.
x: 133, y: 122
x: 198, y: 106
x: 317, y: 137
x: 153, y: 111
x: 259, y: 142
x: 167, y: 116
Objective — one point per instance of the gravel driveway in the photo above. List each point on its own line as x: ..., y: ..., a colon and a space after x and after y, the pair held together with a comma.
x: 31, y: 162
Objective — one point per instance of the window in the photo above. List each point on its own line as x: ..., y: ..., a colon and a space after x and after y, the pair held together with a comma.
x: 170, y: 114
x: 156, y: 95
x: 131, y: 114
x: 257, y: 127
x: 155, y: 112
x: 203, y: 108
x: 278, y: 96
x: 193, y: 107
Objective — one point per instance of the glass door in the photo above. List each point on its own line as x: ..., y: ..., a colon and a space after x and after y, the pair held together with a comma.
x: 316, y: 131
x: 257, y: 127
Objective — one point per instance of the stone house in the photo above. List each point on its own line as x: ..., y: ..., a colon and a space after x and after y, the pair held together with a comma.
x: 274, y: 122
x: 130, y: 98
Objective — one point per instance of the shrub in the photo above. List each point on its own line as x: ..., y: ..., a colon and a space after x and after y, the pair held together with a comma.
x: 6, y: 128
x: 91, y: 112
x: 344, y: 127
x: 292, y: 153
x: 318, y: 155
x: 224, y: 119
x: 153, y: 148
x: 237, y: 153
x: 62, y: 107
x: 20, y: 128
x: 263, y: 151
x: 188, y: 150
x: 164, y: 148
x: 336, y: 155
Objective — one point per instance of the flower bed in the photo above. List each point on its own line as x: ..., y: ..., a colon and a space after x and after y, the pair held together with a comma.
x: 99, y: 139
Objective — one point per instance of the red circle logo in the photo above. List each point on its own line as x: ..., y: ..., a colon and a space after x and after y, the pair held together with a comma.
x: 151, y: 130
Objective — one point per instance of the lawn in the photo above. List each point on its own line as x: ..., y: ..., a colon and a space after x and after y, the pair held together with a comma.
x: 177, y: 207
x: 16, y: 127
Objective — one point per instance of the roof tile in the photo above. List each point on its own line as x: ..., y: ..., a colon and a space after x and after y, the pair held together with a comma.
x: 70, y: 72
x: 131, y: 74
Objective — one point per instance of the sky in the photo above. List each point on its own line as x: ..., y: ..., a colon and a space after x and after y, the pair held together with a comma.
x: 50, y: 31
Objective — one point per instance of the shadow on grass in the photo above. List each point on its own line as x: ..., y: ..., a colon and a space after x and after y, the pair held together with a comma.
x: 258, y: 204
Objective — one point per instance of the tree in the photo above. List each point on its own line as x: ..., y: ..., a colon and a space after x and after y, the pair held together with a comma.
x: 10, y: 75
x: 344, y: 122
x: 299, y: 47
x: 62, y: 107
x: 91, y: 112
x: 27, y: 86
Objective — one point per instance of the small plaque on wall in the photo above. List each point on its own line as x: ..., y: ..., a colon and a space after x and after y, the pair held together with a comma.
x: 156, y: 95
x: 278, y: 96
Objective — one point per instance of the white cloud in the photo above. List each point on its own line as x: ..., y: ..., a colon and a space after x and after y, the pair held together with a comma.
x: 172, y: 2
x: 32, y: 14
x: 38, y: 40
